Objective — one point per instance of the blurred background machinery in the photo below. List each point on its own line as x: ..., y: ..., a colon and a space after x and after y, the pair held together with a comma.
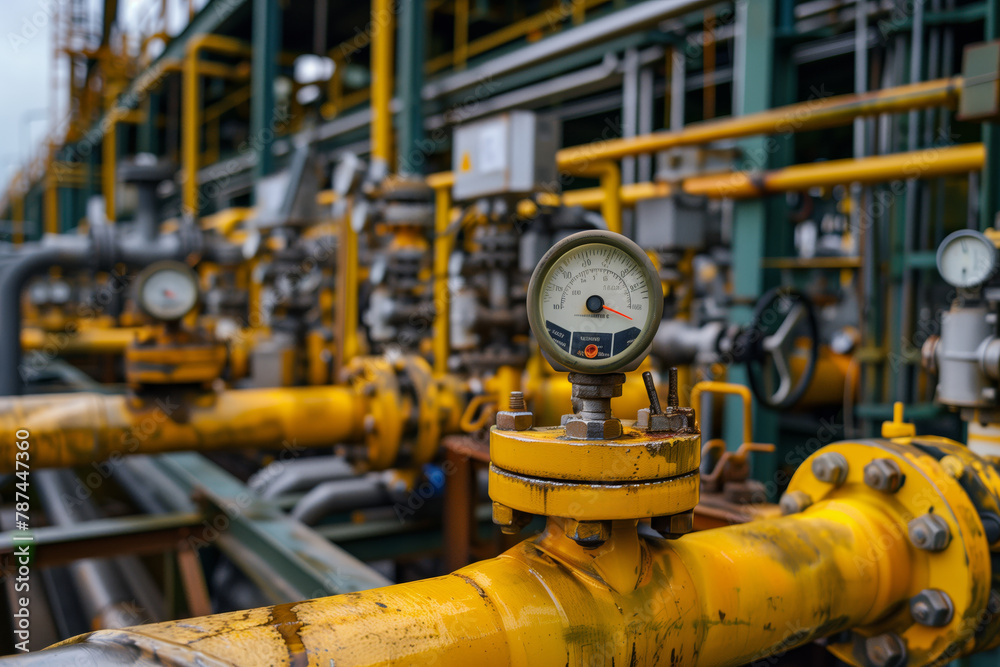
x: 265, y: 289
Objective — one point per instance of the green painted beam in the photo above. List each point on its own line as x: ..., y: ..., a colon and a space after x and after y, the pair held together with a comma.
x: 410, y: 56
x: 264, y: 70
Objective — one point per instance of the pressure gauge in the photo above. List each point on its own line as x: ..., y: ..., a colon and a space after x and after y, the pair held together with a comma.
x: 594, y: 303
x: 966, y: 258
x: 167, y: 291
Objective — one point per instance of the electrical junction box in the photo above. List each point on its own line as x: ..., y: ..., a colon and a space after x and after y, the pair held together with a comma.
x: 677, y: 221
x: 510, y: 154
x: 980, y: 98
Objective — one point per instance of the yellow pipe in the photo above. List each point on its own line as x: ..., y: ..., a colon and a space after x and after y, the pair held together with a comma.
x: 611, y: 182
x: 382, y: 82
x: 348, y: 345
x: 729, y: 389
x: 926, y: 163
x: 444, y: 243
x: 82, y: 341
x: 800, y: 117
x: 51, y: 194
x: 191, y: 125
x: 77, y: 429
x: 700, y: 600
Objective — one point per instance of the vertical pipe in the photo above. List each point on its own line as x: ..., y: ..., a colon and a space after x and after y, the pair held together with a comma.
x: 266, y: 46
x: 51, y: 193
x: 989, y: 198
x: 460, y: 52
x: 109, y: 157
x: 630, y: 108
x: 906, y: 309
x: 443, y: 243
x: 708, y: 61
x: 190, y: 130
x: 410, y: 65
x: 645, y: 122
x: 382, y: 87
x: 860, y: 220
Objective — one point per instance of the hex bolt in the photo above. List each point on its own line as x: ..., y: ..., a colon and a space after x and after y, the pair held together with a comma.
x: 516, y: 418
x: 510, y: 520
x: 886, y: 650
x: 830, y: 467
x: 673, y: 526
x: 884, y: 475
x: 672, y: 400
x: 516, y: 401
x: 929, y: 532
x: 932, y: 607
x: 794, y: 502
x: 991, y: 527
x: 588, y: 534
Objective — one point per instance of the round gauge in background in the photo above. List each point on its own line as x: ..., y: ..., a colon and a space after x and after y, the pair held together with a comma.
x: 595, y: 303
x: 966, y: 258
x: 167, y: 291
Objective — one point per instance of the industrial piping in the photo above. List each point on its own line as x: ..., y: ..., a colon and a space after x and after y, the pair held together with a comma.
x: 637, y: 598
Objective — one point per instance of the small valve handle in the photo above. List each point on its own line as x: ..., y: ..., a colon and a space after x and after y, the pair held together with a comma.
x: 654, y: 399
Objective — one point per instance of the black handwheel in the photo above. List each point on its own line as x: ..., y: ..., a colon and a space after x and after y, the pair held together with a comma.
x: 775, y: 318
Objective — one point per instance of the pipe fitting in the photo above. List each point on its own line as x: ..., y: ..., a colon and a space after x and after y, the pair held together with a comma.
x: 929, y: 532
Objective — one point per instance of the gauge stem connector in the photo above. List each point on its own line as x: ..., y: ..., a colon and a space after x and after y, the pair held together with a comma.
x: 592, y: 396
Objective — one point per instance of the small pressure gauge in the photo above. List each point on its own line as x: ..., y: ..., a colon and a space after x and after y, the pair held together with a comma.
x: 594, y: 303
x: 966, y: 258
x: 167, y: 291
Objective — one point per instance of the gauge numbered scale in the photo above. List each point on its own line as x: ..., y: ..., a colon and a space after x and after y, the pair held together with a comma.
x: 167, y: 291
x: 966, y: 259
x: 594, y: 303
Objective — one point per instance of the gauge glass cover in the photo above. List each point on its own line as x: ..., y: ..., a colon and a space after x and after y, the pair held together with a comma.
x: 966, y: 258
x: 168, y: 293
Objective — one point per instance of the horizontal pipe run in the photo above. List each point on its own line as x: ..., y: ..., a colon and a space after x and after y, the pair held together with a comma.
x: 699, y: 600
x: 78, y: 429
x: 814, y: 114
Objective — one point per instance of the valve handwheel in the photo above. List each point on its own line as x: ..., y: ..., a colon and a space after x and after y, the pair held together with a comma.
x: 767, y: 341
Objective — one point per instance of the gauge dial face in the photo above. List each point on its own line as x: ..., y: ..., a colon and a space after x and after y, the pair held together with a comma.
x: 966, y: 258
x: 168, y: 291
x: 595, y: 302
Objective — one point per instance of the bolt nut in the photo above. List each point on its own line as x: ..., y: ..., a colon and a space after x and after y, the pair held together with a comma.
x: 510, y: 520
x: 886, y: 650
x: 884, y: 475
x: 929, y: 532
x: 588, y: 534
x: 830, y: 467
x: 510, y: 420
x: 991, y: 527
x: 593, y: 429
x: 674, y: 420
x: 794, y: 502
x: 673, y: 525
x: 932, y: 607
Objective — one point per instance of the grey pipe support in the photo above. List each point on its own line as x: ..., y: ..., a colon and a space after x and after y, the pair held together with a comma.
x: 341, y: 496
x: 283, y: 477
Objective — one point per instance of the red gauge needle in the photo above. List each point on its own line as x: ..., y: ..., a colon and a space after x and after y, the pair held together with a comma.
x: 617, y: 313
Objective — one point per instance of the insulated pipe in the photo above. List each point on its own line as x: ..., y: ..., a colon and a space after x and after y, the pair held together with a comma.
x: 699, y: 600
x: 283, y: 477
x: 67, y: 252
x: 77, y: 429
x: 341, y: 495
x: 800, y: 117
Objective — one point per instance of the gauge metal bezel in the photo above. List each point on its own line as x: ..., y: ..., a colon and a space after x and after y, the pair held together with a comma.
x: 978, y: 236
x: 158, y: 267
x: 639, y: 349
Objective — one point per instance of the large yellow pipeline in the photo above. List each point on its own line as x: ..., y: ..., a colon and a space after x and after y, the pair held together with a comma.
x: 77, y: 429
x: 700, y: 600
x: 86, y: 340
x: 810, y: 115
x: 191, y: 125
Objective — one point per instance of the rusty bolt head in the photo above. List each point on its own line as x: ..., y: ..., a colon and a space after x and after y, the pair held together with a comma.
x: 794, y: 502
x: 884, y: 475
x: 510, y: 420
x: 932, y: 607
x: 885, y: 650
x: 929, y: 532
x: 594, y: 429
x: 588, y: 534
x: 831, y: 467
x: 510, y: 520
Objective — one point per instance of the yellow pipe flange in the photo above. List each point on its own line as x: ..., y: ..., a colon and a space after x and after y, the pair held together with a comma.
x: 957, y: 565
x: 635, y: 456
x: 594, y: 502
